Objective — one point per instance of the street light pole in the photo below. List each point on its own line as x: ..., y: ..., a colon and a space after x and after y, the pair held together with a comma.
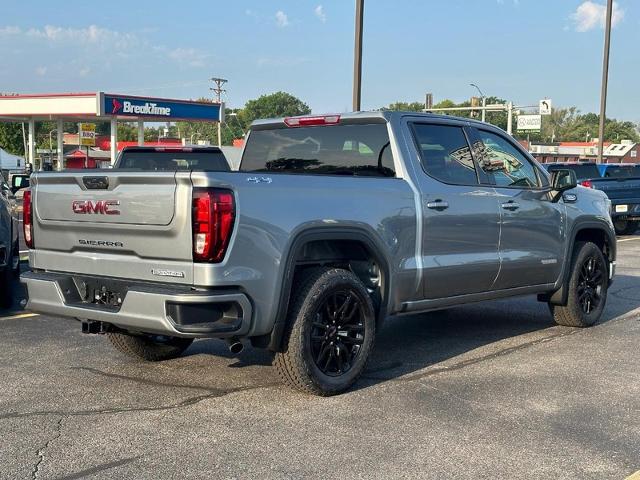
x: 484, y: 100
x: 357, y: 57
x: 605, y: 80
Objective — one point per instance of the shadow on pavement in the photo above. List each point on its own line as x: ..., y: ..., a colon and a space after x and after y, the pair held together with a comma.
x: 428, y: 342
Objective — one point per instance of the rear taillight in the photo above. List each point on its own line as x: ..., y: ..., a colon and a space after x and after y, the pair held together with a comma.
x: 213, y: 216
x: 586, y: 183
x: 27, y: 218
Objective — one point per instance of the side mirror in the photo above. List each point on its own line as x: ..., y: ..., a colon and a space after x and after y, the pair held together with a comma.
x: 562, y: 180
x: 18, y: 182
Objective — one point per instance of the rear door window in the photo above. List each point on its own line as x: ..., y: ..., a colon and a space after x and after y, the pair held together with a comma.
x: 352, y: 150
x: 626, y: 171
x: 445, y: 153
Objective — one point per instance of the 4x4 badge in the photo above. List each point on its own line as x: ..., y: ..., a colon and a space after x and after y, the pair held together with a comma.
x: 259, y: 179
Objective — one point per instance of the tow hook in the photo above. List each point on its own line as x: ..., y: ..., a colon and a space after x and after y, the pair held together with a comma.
x: 95, y: 327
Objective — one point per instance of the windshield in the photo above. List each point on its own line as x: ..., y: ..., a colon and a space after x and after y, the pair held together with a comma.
x: 172, y: 160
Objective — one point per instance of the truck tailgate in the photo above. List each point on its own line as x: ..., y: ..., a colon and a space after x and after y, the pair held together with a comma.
x: 619, y: 188
x: 114, y: 223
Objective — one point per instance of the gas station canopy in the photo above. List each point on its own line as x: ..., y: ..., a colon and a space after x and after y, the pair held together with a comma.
x: 101, y: 106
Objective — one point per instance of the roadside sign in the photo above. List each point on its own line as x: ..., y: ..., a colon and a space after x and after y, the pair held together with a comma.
x: 545, y: 107
x: 529, y: 122
x: 87, y: 134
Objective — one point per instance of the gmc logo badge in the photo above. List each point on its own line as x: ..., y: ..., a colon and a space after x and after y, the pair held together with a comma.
x: 102, y: 207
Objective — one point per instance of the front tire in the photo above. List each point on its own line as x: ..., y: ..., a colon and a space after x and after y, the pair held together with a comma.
x: 625, y: 227
x: 152, y: 348
x: 587, y: 286
x: 330, y: 333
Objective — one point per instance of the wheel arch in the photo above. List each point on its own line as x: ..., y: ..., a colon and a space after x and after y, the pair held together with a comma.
x: 307, y: 249
x: 596, y: 232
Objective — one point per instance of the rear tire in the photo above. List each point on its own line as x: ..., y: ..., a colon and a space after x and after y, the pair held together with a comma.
x: 587, y: 288
x: 625, y: 227
x: 149, y: 347
x: 330, y: 332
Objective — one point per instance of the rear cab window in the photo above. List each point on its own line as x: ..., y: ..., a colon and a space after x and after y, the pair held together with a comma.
x: 173, y: 160
x: 623, y: 171
x: 343, y: 149
x: 583, y: 172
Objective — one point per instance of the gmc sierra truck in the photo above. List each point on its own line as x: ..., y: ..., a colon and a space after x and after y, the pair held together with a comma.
x: 332, y: 224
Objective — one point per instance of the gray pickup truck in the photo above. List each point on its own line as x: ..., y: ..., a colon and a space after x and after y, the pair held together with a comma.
x: 332, y: 224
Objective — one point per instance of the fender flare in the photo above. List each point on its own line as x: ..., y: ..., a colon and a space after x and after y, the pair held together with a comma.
x: 560, y: 296
x: 293, y: 253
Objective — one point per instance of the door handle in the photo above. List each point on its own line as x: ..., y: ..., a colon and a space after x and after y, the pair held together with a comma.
x: 437, y: 205
x: 511, y: 205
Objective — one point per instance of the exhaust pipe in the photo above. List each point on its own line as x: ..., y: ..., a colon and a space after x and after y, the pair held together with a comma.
x: 235, y: 345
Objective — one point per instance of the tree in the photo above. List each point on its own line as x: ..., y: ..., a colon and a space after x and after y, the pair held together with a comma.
x: 11, y: 137
x: 405, y: 107
x: 279, y: 104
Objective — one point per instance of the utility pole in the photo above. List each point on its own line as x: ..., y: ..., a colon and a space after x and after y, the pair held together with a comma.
x: 218, y: 90
x: 605, y: 80
x: 357, y: 57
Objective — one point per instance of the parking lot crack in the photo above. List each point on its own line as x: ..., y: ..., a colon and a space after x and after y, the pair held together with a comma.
x: 214, y: 393
x: 472, y: 361
x: 41, y: 451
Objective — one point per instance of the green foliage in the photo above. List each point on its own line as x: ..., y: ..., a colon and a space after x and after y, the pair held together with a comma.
x: 279, y: 104
x: 568, y: 125
x: 405, y: 107
x: 11, y: 137
x: 564, y: 124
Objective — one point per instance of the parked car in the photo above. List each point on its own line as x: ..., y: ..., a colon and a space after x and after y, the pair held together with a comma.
x: 9, y: 246
x: 173, y: 158
x: 621, y: 183
x: 332, y: 224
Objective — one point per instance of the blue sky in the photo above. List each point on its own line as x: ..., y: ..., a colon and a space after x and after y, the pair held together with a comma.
x: 521, y: 50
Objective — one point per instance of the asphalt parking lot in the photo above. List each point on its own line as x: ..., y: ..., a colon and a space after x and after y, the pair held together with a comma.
x: 494, y: 390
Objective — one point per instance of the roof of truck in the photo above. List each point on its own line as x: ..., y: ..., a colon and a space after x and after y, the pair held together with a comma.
x: 358, y: 117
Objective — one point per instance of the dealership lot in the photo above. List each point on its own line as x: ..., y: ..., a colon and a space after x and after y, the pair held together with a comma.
x: 481, y: 391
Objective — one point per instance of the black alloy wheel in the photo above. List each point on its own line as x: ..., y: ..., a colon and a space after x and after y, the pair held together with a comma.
x: 338, y: 333
x: 590, y: 284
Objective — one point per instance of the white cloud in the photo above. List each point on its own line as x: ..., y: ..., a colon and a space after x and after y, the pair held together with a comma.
x: 10, y: 30
x: 189, y: 56
x: 81, y: 46
x: 41, y: 71
x: 92, y: 34
x: 282, y: 20
x: 590, y: 15
x: 319, y: 12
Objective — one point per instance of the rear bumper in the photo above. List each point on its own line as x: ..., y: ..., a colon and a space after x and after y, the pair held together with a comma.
x: 148, y: 308
x: 631, y: 212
